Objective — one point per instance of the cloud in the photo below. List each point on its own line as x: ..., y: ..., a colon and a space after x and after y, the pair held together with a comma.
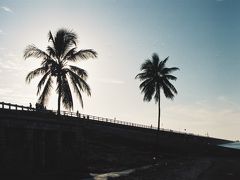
x: 7, y: 9
x: 5, y: 91
x: 10, y: 62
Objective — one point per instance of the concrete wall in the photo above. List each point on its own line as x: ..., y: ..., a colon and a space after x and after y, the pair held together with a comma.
x: 33, y: 142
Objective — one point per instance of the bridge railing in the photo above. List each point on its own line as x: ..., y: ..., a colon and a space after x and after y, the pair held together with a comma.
x: 103, y: 119
x: 15, y: 107
x: 10, y: 106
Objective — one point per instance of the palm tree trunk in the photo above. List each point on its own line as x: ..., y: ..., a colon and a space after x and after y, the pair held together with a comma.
x: 59, y: 103
x: 159, y: 112
x: 59, y: 95
x: 158, y: 129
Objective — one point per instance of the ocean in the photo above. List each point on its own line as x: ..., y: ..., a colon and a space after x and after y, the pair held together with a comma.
x: 235, y: 145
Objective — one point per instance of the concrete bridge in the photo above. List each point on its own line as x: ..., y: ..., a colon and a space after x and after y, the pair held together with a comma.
x: 33, y: 140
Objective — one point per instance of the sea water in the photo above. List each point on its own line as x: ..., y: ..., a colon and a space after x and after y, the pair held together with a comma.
x: 234, y: 145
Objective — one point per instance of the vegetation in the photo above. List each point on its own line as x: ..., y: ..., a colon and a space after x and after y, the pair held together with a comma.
x: 156, y: 76
x: 55, y: 67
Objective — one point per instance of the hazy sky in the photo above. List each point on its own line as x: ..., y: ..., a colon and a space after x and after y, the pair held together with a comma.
x: 202, y: 38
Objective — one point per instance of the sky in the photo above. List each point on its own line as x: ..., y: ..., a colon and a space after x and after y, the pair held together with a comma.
x: 201, y: 37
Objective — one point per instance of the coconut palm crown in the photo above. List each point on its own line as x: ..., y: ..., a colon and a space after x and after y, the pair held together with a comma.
x: 155, y: 76
x: 55, y: 67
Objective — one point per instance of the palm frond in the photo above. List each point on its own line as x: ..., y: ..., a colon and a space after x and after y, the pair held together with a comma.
x: 49, y: 62
x: 155, y: 60
x: 162, y: 64
x: 167, y: 92
x: 146, y: 65
x: 83, y: 54
x: 50, y: 37
x: 43, y: 99
x: 33, y: 51
x: 80, y: 82
x: 34, y: 73
x: 42, y: 81
x: 164, y: 61
x: 171, y: 77
x: 147, y: 88
x: 170, y: 86
x: 148, y: 92
x: 145, y: 75
x: 64, y: 39
x: 77, y: 86
x: 140, y: 76
x: 80, y: 72
x: 70, y: 54
x: 51, y: 51
x: 145, y: 83
x: 169, y: 70
x: 66, y: 93
x: 70, y: 37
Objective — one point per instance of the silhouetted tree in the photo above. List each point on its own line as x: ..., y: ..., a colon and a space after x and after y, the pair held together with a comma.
x: 156, y: 76
x: 55, y: 67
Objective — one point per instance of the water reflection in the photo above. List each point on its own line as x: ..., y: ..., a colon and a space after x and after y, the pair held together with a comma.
x: 234, y: 145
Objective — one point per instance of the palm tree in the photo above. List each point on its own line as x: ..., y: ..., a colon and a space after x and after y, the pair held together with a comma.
x: 155, y: 76
x: 55, y: 67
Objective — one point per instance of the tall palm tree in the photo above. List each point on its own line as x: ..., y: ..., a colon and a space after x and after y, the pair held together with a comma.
x: 55, y: 67
x: 156, y: 76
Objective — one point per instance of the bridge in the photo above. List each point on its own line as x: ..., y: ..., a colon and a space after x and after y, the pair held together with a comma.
x: 16, y: 107
x: 40, y: 140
